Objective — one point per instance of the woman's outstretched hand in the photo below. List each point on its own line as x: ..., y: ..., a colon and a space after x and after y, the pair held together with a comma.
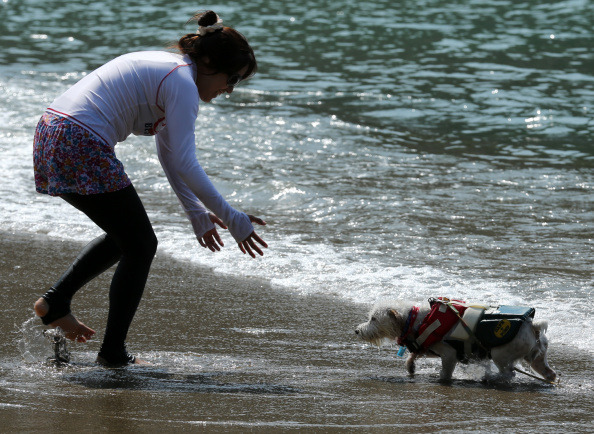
x: 211, y: 239
x: 248, y: 245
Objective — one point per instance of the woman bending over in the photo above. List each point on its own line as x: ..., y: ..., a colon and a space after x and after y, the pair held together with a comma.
x: 154, y: 93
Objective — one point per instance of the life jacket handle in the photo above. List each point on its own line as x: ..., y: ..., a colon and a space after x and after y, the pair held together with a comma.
x: 468, y: 330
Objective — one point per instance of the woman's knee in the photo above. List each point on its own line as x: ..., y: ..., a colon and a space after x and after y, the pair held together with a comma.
x: 151, y: 244
x: 140, y: 245
x: 147, y: 246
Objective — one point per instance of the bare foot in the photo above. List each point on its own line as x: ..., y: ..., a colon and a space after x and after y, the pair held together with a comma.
x: 73, y: 328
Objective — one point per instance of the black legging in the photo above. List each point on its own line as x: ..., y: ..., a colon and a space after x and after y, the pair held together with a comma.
x: 129, y: 239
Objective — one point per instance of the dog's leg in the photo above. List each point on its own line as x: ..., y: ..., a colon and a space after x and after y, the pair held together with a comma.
x: 448, y: 360
x: 410, y: 363
x: 504, y: 363
x: 538, y: 357
x: 506, y: 356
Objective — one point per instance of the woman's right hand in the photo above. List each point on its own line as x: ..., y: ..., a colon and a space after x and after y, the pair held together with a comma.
x: 248, y: 245
x: 211, y: 239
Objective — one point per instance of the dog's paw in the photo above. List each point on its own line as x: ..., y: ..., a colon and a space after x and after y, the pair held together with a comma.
x: 411, y: 365
x: 411, y: 368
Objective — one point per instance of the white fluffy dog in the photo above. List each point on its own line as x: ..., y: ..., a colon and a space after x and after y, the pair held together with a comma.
x: 387, y: 320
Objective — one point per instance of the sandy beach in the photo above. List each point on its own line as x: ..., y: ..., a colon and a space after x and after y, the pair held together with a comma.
x: 234, y: 355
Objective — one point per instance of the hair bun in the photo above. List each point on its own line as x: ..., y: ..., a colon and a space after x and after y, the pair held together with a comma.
x: 207, y: 18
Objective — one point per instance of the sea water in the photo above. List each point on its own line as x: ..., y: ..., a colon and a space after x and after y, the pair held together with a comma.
x: 396, y: 149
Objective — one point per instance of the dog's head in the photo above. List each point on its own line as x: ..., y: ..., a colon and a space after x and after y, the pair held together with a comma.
x: 385, y: 322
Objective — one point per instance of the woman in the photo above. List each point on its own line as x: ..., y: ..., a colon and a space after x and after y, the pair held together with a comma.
x: 145, y: 93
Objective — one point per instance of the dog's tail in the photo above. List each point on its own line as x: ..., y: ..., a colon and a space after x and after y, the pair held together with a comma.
x: 541, y: 325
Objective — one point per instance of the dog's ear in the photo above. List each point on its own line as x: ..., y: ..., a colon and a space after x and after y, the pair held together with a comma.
x: 394, y: 314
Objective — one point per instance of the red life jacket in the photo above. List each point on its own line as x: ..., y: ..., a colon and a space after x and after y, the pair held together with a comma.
x: 440, y: 320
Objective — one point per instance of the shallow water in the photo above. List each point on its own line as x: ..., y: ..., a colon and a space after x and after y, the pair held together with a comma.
x: 253, y: 358
x: 396, y: 150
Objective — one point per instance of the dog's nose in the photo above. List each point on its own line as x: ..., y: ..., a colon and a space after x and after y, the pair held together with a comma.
x: 356, y: 331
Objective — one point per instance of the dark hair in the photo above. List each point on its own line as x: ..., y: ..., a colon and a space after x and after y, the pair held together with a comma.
x: 227, y: 50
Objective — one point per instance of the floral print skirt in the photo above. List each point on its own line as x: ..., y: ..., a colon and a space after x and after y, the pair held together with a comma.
x: 68, y: 158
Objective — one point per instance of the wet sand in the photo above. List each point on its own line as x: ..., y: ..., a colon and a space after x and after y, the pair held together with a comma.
x: 238, y: 355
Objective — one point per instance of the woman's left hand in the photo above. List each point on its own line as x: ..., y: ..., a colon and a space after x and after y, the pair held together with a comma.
x: 248, y: 245
x: 211, y: 239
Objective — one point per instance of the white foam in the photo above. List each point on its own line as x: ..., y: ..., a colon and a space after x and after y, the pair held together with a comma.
x: 302, y: 257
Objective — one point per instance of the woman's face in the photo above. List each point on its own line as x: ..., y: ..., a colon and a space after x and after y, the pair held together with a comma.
x: 212, y: 85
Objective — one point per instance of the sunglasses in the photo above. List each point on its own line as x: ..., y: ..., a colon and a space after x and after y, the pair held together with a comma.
x: 234, y: 80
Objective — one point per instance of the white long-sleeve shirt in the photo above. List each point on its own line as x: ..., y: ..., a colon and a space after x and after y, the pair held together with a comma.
x: 154, y: 93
